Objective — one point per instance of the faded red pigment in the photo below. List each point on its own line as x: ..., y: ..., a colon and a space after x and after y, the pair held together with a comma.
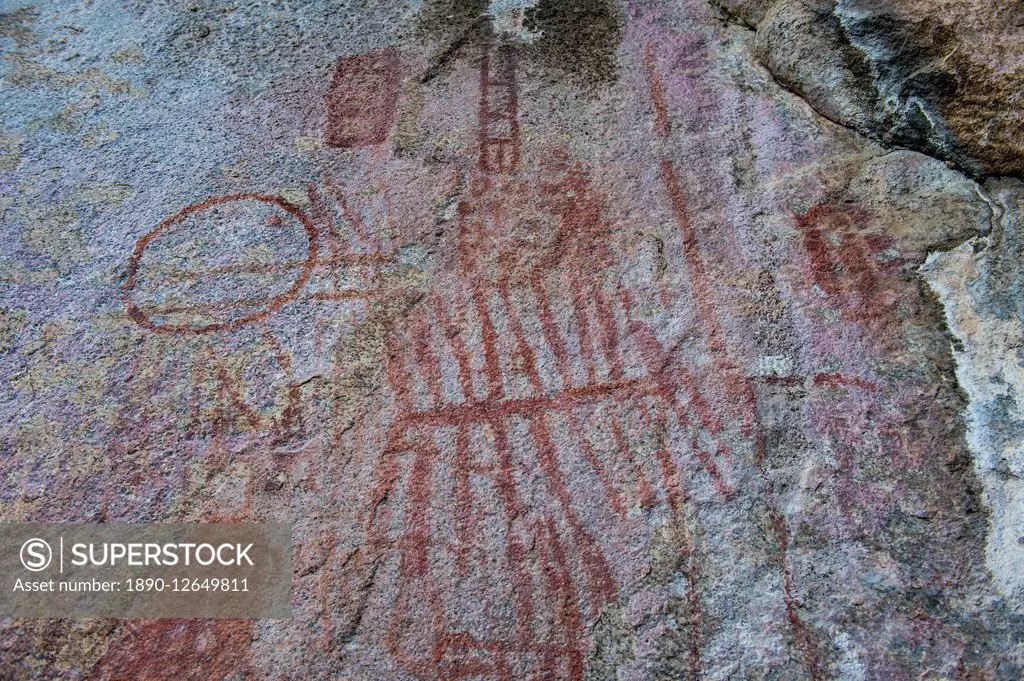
x: 178, y: 650
x: 511, y: 403
x: 219, y: 389
x: 265, y: 307
x: 739, y: 389
x: 847, y: 261
x: 609, y: 368
x: 362, y: 100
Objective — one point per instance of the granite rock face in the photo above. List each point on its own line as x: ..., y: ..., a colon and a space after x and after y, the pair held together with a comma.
x: 576, y: 339
x: 977, y: 283
x: 941, y: 77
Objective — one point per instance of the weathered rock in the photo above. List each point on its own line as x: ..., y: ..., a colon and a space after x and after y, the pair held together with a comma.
x: 978, y: 283
x: 939, y: 79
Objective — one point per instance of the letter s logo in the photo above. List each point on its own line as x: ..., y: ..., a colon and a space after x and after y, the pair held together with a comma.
x: 36, y: 555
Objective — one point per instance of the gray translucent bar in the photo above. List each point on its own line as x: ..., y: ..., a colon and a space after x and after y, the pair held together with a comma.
x: 239, y: 570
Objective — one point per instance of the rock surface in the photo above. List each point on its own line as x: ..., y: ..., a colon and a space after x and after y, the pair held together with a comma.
x: 977, y: 283
x: 577, y: 339
x: 941, y: 77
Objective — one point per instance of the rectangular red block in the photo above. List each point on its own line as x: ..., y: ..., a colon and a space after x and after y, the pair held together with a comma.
x: 362, y: 100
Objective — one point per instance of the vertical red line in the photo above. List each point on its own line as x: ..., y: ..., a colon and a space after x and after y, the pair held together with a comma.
x: 495, y: 385
x: 429, y: 363
x: 802, y: 634
x: 610, y: 335
x: 494, y: 209
x: 550, y: 331
x: 322, y: 216
x: 594, y: 563
x: 226, y: 387
x: 393, y: 636
x: 416, y: 539
x: 180, y: 368
x: 677, y: 499
x: 398, y: 375
x: 464, y: 219
x: 385, y: 478
x: 579, y: 304
x: 202, y: 373
x: 560, y: 579
x: 498, y: 148
x: 696, y: 608
x: 147, y: 425
x: 388, y: 228
x: 661, y: 123
x: 587, y: 449
x: 465, y: 521
x: 644, y: 488
x: 438, y: 610
x: 529, y: 361
x: 459, y: 350
x: 674, y: 491
x: 360, y: 233
x: 705, y: 459
x: 513, y: 106
x: 414, y: 564
x: 292, y: 410
x: 483, y: 114
x: 699, y: 282
x: 515, y: 551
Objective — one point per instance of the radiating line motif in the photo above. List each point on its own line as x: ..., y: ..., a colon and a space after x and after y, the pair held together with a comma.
x: 242, y: 301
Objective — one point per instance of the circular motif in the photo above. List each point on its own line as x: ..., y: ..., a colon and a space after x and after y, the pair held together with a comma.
x: 259, y: 268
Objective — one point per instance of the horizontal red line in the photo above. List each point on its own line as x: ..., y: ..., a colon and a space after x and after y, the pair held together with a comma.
x: 826, y: 379
x: 488, y: 410
x: 270, y: 268
x: 834, y: 379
